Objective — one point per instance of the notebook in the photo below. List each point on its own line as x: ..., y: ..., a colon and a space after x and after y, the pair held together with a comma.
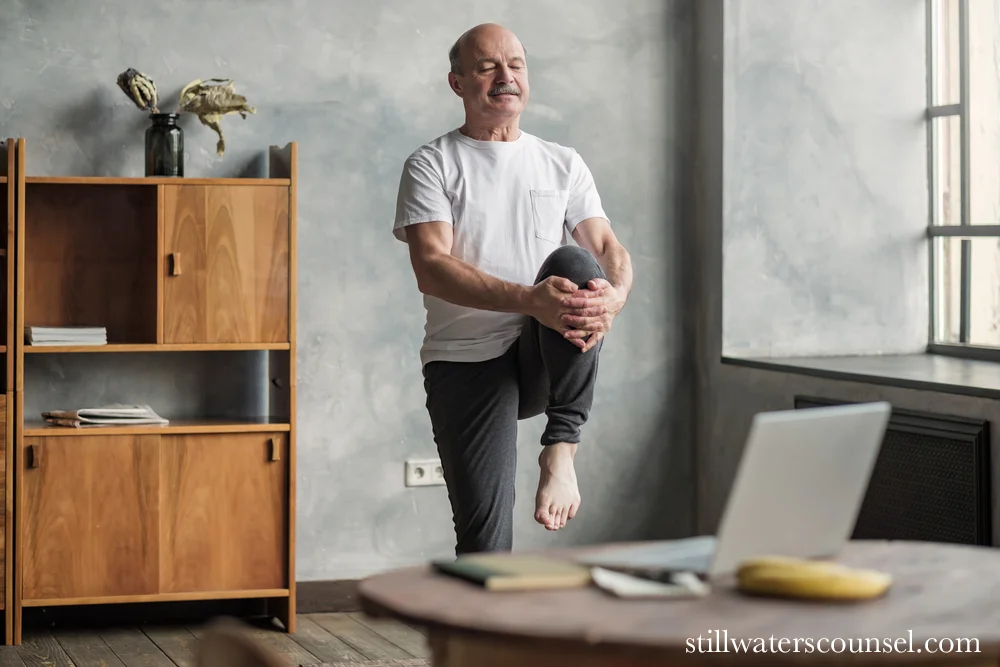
x: 510, y: 572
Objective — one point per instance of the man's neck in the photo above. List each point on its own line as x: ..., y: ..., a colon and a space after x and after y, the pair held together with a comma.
x: 488, y: 132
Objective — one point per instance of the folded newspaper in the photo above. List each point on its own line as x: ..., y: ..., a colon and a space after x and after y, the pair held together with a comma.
x: 115, y: 414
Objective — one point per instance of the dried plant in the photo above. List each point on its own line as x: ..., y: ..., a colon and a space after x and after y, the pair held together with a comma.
x: 139, y: 88
x: 211, y: 101
x: 208, y: 100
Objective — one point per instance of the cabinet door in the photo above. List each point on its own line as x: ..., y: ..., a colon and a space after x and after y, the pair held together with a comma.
x: 6, y: 522
x: 90, y: 516
x: 225, y: 512
x: 226, y: 264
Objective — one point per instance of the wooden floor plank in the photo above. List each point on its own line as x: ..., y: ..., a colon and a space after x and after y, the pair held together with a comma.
x: 419, y: 628
x: 321, y: 643
x: 362, y: 639
x: 10, y: 656
x: 134, y: 648
x: 87, y: 649
x: 176, y: 642
x: 275, y: 639
x: 40, y: 649
x: 399, y: 634
x: 327, y: 637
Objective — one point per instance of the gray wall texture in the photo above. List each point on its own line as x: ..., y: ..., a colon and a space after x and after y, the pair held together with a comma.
x: 825, y: 178
x: 360, y: 86
x: 811, y: 204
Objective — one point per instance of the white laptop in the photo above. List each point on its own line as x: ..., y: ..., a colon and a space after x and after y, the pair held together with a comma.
x: 798, y: 490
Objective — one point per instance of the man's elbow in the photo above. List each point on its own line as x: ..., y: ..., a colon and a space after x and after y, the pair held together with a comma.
x: 424, y: 284
x: 423, y: 270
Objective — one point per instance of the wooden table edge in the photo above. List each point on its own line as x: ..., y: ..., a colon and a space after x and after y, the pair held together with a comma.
x: 374, y: 605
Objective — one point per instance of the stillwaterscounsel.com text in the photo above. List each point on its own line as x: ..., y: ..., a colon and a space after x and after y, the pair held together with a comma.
x: 719, y: 641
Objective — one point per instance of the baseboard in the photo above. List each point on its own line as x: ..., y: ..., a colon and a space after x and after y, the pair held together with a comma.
x: 327, y: 596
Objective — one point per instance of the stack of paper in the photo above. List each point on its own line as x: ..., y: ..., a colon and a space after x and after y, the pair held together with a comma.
x: 109, y: 415
x: 70, y: 335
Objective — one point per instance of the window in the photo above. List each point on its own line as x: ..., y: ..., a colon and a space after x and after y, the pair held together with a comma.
x: 964, y: 172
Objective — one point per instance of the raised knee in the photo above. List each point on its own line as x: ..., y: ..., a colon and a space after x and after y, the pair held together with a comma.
x: 572, y: 262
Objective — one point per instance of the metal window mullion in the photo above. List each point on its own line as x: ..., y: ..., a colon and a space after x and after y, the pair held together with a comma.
x: 964, y: 231
x: 944, y: 110
x: 930, y: 53
x: 963, y: 79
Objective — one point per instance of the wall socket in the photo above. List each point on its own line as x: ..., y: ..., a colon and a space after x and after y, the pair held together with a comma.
x: 424, y: 472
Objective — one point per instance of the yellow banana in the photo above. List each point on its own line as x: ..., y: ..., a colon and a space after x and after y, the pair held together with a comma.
x: 782, y: 576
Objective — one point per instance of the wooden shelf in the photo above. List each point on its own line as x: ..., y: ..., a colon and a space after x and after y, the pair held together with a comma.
x: 153, y: 347
x: 198, y: 509
x: 152, y: 180
x: 162, y: 597
x: 38, y: 427
x: 3, y: 179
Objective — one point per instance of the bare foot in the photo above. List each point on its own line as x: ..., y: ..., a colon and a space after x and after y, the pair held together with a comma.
x: 558, y: 497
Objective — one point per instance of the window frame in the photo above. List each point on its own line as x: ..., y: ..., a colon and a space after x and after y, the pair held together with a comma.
x: 965, y: 230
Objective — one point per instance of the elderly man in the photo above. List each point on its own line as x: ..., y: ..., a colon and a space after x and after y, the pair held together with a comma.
x: 516, y: 315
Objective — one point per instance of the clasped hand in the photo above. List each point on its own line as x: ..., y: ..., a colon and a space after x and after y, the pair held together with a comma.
x: 582, y: 316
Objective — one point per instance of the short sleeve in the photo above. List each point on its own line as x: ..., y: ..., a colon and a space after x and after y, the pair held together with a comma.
x: 584, y: 200
x: 421, y: 197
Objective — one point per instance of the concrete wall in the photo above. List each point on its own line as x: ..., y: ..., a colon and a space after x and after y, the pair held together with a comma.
x: 826, y: 179
x: 811, y: 205
x: 359, y: 87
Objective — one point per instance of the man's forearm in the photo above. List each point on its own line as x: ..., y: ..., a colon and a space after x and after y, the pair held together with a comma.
x: 458, y: 282
x: 617, y: 265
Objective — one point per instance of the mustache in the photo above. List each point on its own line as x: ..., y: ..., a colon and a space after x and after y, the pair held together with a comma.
x: 504, y: 89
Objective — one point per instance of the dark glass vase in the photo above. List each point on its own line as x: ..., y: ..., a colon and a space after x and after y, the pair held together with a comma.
x: 164, y: 146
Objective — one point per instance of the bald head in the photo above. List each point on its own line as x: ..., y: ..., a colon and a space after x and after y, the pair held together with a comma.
x: 483, y: 37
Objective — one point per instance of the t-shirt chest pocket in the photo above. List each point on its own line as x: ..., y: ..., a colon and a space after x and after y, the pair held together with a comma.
x: 548, y: 214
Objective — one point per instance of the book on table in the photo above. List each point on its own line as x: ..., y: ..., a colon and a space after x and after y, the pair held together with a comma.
x: 508, y: 572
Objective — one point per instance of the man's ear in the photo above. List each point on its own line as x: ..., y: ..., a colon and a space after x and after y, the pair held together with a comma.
x: 456, y: 87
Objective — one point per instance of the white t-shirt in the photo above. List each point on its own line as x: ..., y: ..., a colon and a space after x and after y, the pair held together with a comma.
x: 510, y: 205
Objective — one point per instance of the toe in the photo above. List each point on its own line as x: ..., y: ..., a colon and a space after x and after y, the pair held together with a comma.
x: 542, y: 516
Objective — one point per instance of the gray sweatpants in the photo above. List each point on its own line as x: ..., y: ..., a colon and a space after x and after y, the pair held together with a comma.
x: 475, y: 406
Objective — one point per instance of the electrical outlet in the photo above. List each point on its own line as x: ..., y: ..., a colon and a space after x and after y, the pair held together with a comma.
x: 424, y: 472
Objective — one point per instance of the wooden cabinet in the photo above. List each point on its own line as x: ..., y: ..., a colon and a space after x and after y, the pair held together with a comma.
x: 144, y: 517
x: 202, y: 508
x: 226, y: 268
x: 90, y: 508
x: 225, y: 512
x: 6, y: 522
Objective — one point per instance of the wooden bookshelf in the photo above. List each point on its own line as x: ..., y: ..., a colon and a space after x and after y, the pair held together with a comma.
x: 8, y: 204
x: 148, y: 181
x: 262, y: 425
x: 199, y: 509
x: 153, y: 347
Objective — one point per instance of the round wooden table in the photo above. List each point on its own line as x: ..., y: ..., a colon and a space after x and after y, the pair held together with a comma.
x: 943, y: 609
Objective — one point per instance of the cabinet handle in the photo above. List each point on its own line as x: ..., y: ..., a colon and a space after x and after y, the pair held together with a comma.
x: 275, y: 450
x: 33, y: 457
x: 175, y: 264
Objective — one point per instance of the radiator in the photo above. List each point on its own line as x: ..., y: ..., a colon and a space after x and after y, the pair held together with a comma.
x: 931, y: 481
